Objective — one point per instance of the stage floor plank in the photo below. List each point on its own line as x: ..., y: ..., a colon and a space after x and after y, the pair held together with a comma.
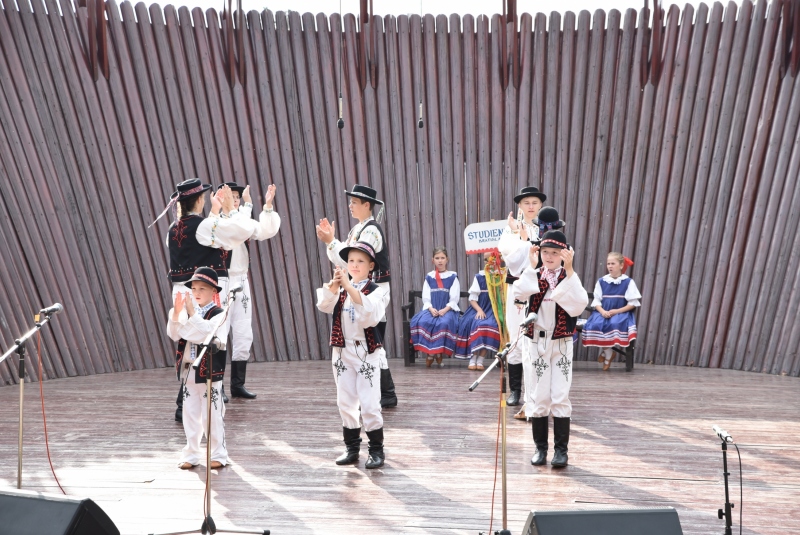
x: 638, y: 439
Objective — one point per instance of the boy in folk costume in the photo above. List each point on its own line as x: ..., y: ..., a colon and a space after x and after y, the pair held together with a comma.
x: 191, y: 320
x: 237, y: 210
x: 362, y: 200
x: 357, y: 304
x: 514, y: 245
x: 556, y: 294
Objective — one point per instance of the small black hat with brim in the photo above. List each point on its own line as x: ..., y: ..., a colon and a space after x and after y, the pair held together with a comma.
x: 233, y: 185
x: 530, y: 191
x: 548, y: 220
x: 554, y: 239
x: 358, y: 246
x: 365, y: 193
x: 189, y: 188
x: 207, y: 275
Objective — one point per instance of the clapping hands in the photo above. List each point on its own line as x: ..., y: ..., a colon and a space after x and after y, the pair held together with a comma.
x: 183, y: 301
x: 567, y: 255
x: 269, y: 196
x: 326, y: 230
x: 533, y: 255
x: 340, y: 279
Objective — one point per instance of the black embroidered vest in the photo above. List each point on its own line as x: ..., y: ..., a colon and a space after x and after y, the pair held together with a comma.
x: 371, y: 334
x: 186, y: 254
x: 565, y: 324
x: 218, y: 358
x: 381, y: 272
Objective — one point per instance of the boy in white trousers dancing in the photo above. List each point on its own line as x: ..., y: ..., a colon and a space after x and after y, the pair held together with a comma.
x: 555, y: 293
x: 358, y: 305
x: 191, y: 320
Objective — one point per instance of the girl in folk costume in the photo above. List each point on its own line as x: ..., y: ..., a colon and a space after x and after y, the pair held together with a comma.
x: 478, y: 331
x: 362, y: 201
x: 514, y: 245
x: 435, y: 327
x: 612, y: 323
x: 556, y: 295
x: 191, y: 320
x: 357, y: 305
x: 240, y: 228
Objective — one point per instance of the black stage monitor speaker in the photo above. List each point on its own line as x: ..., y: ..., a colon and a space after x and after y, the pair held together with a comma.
x: 24, y: 512
x: 630, y: 521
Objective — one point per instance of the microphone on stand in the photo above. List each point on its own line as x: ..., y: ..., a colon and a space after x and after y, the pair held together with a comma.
x: 529, y: 319
x: 232, y: 294
x: 53, y: 309
x: 722, y: 434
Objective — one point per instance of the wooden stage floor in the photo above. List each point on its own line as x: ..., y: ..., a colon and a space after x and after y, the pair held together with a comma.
x: 639, y: 439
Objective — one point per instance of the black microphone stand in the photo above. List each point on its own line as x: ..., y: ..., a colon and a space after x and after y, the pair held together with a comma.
x: 19, y: 349
x: 501, y: 361
x: 208, y: 525
x: 728, y: 505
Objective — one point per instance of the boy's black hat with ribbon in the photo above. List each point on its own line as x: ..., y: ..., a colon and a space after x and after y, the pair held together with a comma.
x: 207, y: 275
x: 554, y: 239
x: 360, y: 246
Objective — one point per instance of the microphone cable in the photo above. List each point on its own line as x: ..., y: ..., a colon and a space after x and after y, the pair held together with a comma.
x: 41, y: 396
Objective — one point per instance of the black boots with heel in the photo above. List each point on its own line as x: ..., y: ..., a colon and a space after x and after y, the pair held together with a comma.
x: 238, y: 375
x: 514, y: 385
x: 540, y: 439
x: 376, y: 456
x: 560, y: 442
x: 352, y: 441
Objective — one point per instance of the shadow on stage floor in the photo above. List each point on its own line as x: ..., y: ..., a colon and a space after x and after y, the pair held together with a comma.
x: 638, y: 439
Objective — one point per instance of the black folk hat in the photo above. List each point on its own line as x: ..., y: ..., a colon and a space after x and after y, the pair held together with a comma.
x: 364, y: 192
x: 207, y: 275
x: 555, y: 239
x: 548, y: 220
x: 233, y: 185
x: 189, y: 188
x: 360, y: 246
x: 530, y: 191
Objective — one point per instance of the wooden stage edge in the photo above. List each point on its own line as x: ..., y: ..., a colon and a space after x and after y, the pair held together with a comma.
x: 640, y: 439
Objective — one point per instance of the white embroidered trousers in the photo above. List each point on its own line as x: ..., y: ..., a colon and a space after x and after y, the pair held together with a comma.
x: 548, y: 376
x: 358, y: 384
x: 241, y: 320
x: 195, y: 421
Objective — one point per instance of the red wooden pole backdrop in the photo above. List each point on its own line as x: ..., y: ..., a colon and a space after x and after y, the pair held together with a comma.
x: 673, y: 139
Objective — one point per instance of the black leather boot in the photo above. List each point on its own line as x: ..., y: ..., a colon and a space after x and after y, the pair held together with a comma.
x: 540, y: 439
x: 388, y: 395
x: 224, y: 395
x: 352, y: 441
x: 179, y: 403
x: 514, y: 385
x: 560, y: 442
x: 238, y: 375
x: 376, y: 456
